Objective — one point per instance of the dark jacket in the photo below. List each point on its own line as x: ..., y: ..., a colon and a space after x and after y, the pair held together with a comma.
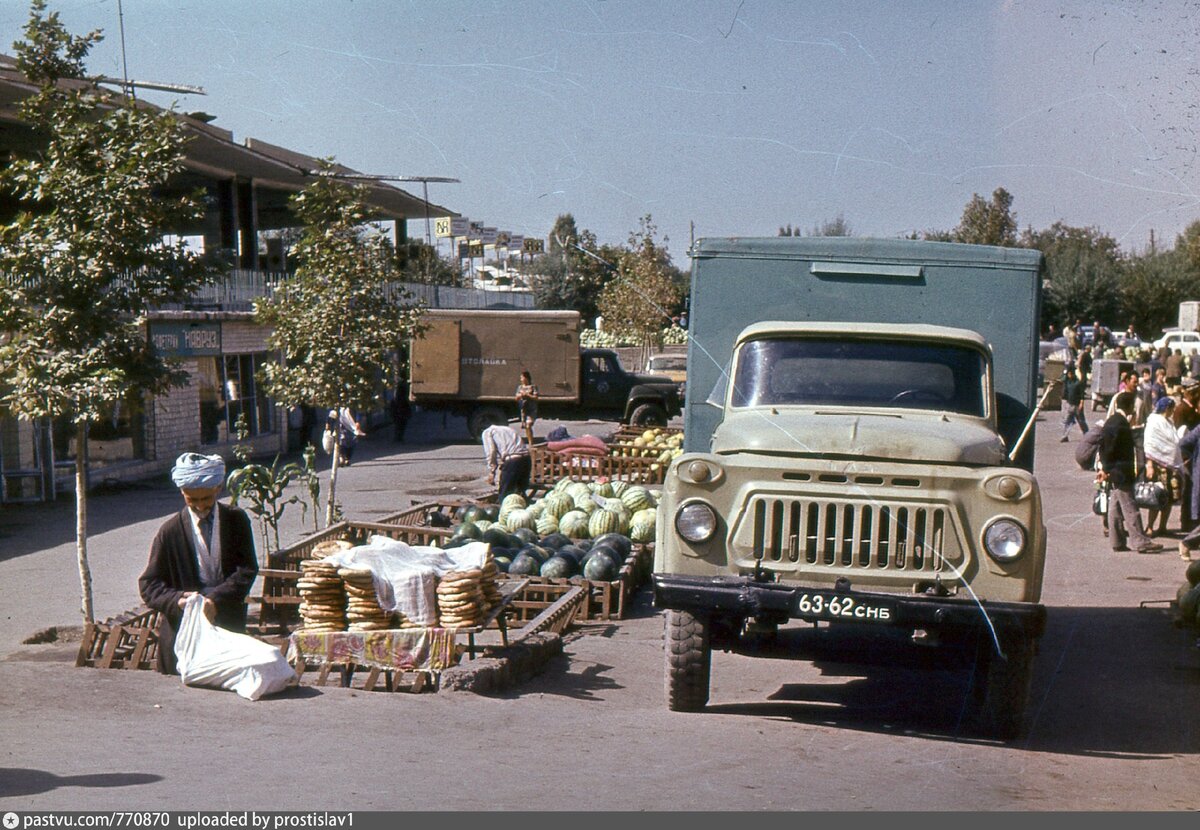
x: 1073, y: 390
x: 173, y: 570
x: 1117, y: 451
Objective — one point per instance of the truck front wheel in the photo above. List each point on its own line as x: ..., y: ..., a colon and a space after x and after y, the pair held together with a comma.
x: 1000, y: 687
x: 648, y: 415
x: 482, y: 418
x: 689, y: 661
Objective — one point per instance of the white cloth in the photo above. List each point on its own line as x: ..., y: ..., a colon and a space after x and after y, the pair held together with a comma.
x: 499, y: 444
x: 1160, y: 442
x: 208, y: 562
x: 211, y: 656
x: 405, y: 576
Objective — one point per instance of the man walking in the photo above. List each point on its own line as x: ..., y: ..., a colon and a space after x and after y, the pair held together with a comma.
x: 1118, y: 463
x: 1073, y: 391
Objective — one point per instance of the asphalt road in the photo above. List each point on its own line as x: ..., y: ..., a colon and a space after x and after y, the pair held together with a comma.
x: 1113, y: 719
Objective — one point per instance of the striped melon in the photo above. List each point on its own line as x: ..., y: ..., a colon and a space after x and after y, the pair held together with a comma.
x: 637, y: 498
x: 602, y: 488
x: 619, y: 488
x: 574, y: 524
x: 606, y: 521
x: 585, y: 503
x: 642, y: 525
x: 547, y: 523
x: 512, y: 501
x: 557, y: 504
x: 520, y: 518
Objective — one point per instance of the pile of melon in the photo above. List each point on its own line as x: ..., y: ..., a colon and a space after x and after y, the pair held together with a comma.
x: 654, y: 443
x: 577, y: 529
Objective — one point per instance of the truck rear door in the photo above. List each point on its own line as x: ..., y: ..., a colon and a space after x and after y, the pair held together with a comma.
x: 435, y: 358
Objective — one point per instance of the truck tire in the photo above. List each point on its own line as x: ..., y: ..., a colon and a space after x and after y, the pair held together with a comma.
x: 482, y: 418
x: 1000, y: 688
x: 689, y: 661
x: 648, y: 415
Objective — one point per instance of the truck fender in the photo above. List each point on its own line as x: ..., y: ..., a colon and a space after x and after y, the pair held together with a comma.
x: 647, y: 394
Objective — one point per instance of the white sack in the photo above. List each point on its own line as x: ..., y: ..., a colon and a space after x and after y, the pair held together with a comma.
x: 406, y: 576
x: 212, y: 656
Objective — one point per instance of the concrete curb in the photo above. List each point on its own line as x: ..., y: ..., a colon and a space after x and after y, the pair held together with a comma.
x: 504, y: 667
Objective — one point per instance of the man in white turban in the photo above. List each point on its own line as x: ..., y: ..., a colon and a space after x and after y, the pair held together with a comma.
x: 207, y: 548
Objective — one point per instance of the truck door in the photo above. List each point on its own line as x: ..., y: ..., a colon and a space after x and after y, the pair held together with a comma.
x: 605, y: 386
x: 435, y: 359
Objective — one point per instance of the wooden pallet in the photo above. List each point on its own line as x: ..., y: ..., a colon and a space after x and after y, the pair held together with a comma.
x: 126, y: 641
x: 549, y: 467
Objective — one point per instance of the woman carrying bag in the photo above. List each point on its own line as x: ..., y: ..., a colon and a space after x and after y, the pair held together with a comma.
x: 1164, y: 463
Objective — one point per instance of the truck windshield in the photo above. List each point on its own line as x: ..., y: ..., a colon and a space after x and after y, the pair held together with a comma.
x: 860, y: 373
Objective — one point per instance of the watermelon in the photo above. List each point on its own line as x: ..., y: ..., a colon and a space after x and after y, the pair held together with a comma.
x: 525, y: 535
x: 547, y: 524
x: 643, y: 526
x: 483, y: 524
x: 605, y: 521
x: 557, y: 504
x: 555, y: 541
x: 502, y: 563
x: 559, y: 567
x: 573, y: 551
x: 617, y: 541
x: 491, y: 512
x: 602, y: 488
x: 525, y: 565
x: 439, y: 519
x: 583, y: 544
x: 500, y: 550
x: 601, y: 568
x: 574, y: 524
x: 521, y: 518
x: 496, y: 535
x: 619, y: 488
x: 538, y: 552
x: 512, y: 501
x: 586, y: 503
x: 456, y: 542
x: 637, y: 498
x: 470, y: 531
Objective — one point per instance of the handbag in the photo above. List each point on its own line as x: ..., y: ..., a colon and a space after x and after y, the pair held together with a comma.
x: 1150, y: 495
x: 1100, y: 501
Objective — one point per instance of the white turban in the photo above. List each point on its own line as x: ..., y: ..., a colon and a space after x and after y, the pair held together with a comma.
x: 194, y: 471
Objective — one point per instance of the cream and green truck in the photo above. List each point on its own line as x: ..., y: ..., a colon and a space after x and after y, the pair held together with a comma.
x: 858, y: 455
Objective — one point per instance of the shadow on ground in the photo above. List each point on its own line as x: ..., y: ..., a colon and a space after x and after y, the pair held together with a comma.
x: 14, y: 782
x: 1108, y: 682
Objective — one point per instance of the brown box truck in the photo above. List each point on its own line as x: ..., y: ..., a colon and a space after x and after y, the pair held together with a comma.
x: 469, y: 363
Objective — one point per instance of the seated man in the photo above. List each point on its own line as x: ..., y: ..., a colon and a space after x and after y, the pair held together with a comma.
x: 506, y: 454
x: 207, y: 548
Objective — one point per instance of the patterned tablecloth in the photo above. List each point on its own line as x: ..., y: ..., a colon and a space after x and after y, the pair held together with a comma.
x: 426, y: 649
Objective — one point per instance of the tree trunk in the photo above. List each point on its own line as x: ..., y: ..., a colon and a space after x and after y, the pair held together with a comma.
x: 333, y: 471
x: 85, y: 572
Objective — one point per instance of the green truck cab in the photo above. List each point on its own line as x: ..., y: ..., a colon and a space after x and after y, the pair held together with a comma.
x: 863, y: 460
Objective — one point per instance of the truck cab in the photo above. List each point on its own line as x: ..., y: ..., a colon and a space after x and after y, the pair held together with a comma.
x: 642, y: 400
x: 856, y: 473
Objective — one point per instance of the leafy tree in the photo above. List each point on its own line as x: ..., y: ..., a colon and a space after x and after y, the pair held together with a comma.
x: 838, y: 226
x: 988, y: 223
x: 1189, y: 243
x: 566, y: 277
x: 84, y: 258
x: 420, y: 263
x: 1083, y: 275
x: 639, y: 303
x: 334, y: 321
x: 1152, y: 287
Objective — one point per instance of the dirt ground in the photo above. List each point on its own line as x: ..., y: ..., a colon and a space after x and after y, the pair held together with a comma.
x: 1113, y: 723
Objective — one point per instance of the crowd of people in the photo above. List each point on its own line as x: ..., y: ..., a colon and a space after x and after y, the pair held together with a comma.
x: 1146, y: 451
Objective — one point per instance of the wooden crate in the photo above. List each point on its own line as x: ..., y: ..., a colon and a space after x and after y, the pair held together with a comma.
x: 626, y: 433
x: 419, y: 514
x: 126, y: 641
x: 606, y: 600
x: 549, y: 466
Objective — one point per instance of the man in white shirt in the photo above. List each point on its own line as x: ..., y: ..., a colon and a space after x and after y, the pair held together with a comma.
x: 507, y: 455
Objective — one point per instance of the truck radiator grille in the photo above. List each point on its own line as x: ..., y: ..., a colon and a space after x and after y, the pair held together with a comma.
x: 876, y: 535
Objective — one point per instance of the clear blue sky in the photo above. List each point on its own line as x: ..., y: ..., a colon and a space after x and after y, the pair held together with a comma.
x: 737, y: 115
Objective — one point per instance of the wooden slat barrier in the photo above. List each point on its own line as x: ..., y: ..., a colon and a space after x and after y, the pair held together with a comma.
x: 126, y: 641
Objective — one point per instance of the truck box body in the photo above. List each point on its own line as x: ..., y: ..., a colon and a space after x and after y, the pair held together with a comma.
x: 993, y: 291
x: 479, y: 355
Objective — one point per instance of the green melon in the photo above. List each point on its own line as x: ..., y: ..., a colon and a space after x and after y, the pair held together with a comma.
x: 557, y: 504
x: 619, y: 488
x: 484, y: 524
x: 601, y: 568
x: 559, y: 567
x: 525, y: 535
x: 524, y: 565
x: 574, y: 524
x: 469, y: 530
x: 512, y: 501
x: 602, y: 488
x: 642, y: 526
x: 605, y: 521
x: 554, y: 541
x: 619, y: 542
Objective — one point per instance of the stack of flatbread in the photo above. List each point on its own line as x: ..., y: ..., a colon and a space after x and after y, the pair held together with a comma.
x: 460, y: 599
x: 362, y: 606
x: 323, y: 549
x: 487, y: 583
x: 322, y: 597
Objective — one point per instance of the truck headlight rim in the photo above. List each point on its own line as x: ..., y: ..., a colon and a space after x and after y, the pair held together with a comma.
x: 1005, y: 539
x: 696, y: 522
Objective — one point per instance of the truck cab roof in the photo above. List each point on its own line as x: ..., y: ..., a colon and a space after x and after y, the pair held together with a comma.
x: 905, y: 331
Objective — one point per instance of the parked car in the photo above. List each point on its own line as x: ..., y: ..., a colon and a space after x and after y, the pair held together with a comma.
x: 673, y: 366
x: 1187, y: 342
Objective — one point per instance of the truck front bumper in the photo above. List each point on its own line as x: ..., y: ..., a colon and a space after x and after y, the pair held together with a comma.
x: 738, y: 597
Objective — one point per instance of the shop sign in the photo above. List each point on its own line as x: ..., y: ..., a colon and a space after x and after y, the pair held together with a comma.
x: 179, y: 338
x: 534, y: 246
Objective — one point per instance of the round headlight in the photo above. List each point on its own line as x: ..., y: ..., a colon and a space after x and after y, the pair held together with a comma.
x: 1004, y: 540
x: 696, y: 522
